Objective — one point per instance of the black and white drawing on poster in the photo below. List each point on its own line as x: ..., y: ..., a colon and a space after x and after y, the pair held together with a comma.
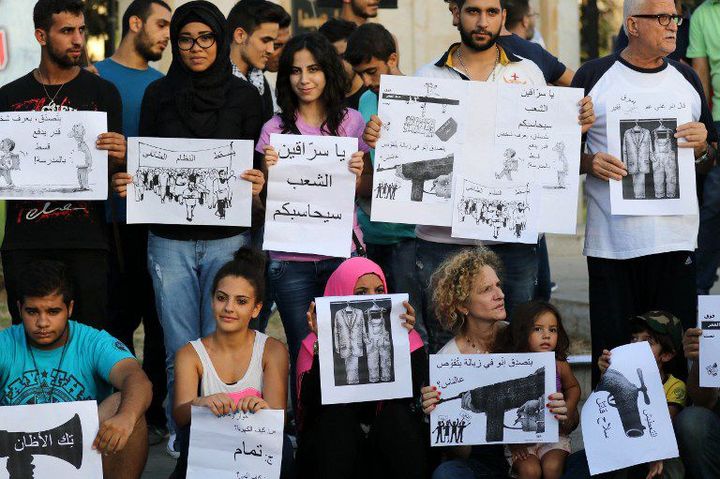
x: 362, y: 341
x: 709, y: 322
x: 649, y: 151
x: 661, y: 176
x: 310, y: 194
x: 492, y: 398
x: 52, y: 155
x: 628, y: 413
x: 414, y: 158
x: 49, y: 440
x: 235, y: 446
x: 189, y: 181
x: 364, y: 348
x: 501, y: 212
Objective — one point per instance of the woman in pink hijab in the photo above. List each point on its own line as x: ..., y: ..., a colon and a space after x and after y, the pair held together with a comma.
x: 384, y: 438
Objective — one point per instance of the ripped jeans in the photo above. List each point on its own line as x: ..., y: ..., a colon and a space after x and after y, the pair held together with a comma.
x: 182, y: 274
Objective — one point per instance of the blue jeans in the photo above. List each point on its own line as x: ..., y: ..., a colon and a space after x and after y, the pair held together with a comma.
x: 519, y: 276
x: 708, y: 251
x: 698, y: 433
x: 182, y: 274
x: 295, y: 285
x: 398, y: 263
x: 465, y: 469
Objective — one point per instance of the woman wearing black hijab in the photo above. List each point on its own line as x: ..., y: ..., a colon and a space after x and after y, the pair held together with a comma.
x: 199, y: 98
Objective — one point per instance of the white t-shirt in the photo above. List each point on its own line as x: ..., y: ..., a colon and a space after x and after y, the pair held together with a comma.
x: 510, y: 69
x: 625, y: 237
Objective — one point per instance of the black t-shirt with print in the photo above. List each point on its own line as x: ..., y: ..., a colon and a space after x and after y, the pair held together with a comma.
x: 59, y: 224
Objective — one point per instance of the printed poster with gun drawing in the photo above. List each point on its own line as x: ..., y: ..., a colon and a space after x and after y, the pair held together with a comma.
x: 235, y: 446
x: 626, y: 421
x: 49, y: 440
x: 52, y: 155
x: 310, y: 194
x: 492, y: 398
x: 184, y: 181
x: 414, y: 157
x: 709, y: 322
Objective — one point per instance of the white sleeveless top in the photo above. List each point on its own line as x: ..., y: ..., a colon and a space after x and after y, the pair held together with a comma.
x: 250, y: 384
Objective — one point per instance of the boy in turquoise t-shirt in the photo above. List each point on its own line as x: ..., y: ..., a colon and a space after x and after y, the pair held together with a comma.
x: 49, y: 358
x: 372, y: 52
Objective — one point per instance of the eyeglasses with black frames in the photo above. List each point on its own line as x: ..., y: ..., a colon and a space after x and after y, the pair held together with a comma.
x: 204, y: 41
x: 663, y: 19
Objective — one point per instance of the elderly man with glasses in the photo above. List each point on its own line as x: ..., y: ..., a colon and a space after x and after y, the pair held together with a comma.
x: 640, y: 263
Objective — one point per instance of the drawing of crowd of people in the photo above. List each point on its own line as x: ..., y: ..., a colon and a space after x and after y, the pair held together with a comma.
x: 498, y: 214
x: 386, y: 190
x: 448, y: 431
x: 190, y: 187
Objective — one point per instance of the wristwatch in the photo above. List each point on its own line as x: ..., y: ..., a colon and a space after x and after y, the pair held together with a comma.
x: 708, y: 155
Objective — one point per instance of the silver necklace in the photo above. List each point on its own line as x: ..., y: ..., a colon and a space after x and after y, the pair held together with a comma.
x: 462, y: 63
x: 49, y: 395
x: 42, y: 79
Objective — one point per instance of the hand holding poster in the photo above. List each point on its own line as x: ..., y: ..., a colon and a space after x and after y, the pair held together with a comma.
x: 49, y: 440
x: 626, y: 420
x: 235, y: 446
x: 52, y: 155
x: 709, y: 322
x: 661, y: 177
x: 492, y: 398
x: 364, y: 349
x: 185, y: 181
x: 311, y: 194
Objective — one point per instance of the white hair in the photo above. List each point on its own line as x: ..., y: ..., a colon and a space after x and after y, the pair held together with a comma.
x: 630, y: 8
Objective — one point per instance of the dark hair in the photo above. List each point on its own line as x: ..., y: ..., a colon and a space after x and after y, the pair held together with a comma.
x: 460, y: 3
x: 250, y: 14
x: 515, y: 337
x: 337, y: 29
x: 664, y: 340
x: 369, y: 41
x: 43, y: 278
x: 516, y: 11
x: 333, y: 96
x: 140, y: 9
x: 286, y: 19
x: 249, y: 264
x: 45, y: 9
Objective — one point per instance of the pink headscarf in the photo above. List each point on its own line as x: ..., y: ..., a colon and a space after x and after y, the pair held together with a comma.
x: 342, y: 283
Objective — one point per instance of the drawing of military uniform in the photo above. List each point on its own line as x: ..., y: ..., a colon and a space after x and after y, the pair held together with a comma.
x: 378, y: 345
x: 222, y: 194
x: 139, y: 186
x: 349, y: 337
x: 636, y: 153
x: 663, y: 163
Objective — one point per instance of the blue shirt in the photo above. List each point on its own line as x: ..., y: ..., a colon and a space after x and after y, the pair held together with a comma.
x: 131, y: 83
x: 84, y: 374
x: 551, y: 67
x: 377, y: 232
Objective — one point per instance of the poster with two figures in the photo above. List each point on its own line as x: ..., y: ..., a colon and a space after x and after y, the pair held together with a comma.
x: 52, y: 155
x: 364, y: 349
x: 189, y: 181
x: 49, y: 440
x: 661, y: 176
x: 625, y: 420
x: 492, y: 398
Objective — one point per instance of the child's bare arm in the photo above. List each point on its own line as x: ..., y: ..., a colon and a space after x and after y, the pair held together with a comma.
x: 571, y: 391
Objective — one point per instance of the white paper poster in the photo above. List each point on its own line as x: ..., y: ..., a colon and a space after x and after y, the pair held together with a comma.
x: 709, y: 322
x: 50, y: 440
x: 311, y: 194
x: 414, y: 157
x: 661, y: 176
x: 492, y: 398
x: 364, y: 348
x: 497, y: 212
x: 626, y: 420
x: 52, y: 155
x: 183, y: 181
x: 235, y: 446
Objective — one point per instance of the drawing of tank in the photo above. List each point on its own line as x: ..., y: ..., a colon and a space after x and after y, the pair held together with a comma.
x: 418, y: 172
x: 623, y: 396
x: 495, y: 399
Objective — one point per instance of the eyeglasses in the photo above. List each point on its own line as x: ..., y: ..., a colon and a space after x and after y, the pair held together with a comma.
x: 203, y: 41
x: 664, y: 19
